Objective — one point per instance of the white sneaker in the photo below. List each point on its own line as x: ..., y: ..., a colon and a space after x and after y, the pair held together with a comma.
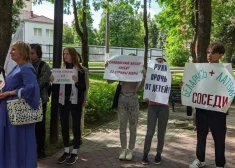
x: 122, y: 156
x: 196, y: 164
x: 129, y: 154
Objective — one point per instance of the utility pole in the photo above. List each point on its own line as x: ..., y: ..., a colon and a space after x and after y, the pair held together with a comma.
x: 57, y: 53
x: 107, y: 34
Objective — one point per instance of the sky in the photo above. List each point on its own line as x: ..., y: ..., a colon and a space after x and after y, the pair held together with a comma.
x: 48, y: 11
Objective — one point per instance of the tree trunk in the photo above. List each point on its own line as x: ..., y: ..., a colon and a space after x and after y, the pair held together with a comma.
x: 146, y: 34
x: 194, y: 21
x: 229, y: 53
x: 5, y: 28
x: 83, y: 33
x: 85, y: 49
x: 204, y: 29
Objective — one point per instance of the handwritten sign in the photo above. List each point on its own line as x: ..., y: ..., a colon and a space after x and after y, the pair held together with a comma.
x: 2, y: 81
x: 208, y: 86
x: 63, y: 76
x: 158, y: 82
x: 124, y: 68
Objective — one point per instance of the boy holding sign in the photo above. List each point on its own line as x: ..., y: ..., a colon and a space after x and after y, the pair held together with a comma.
x: 213, y: 120
x: 158, y: 110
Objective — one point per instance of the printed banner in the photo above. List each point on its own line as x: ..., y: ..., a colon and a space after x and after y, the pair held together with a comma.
x: 158, y: 82
x: 9, y: 63
x: 208, y: 86
x: 2, y: 81
x: 63, y: 76
x: 125, y: 68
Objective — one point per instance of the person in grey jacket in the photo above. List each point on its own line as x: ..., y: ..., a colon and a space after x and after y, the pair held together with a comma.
x: 43, y: 72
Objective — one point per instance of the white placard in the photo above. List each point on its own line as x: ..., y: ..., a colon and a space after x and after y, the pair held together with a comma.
x: 9, y: 63
x: 208, y: 86
x: 125, y: 68
x: 2, y: 81
x: 158, y: 82
x: 63, y: 76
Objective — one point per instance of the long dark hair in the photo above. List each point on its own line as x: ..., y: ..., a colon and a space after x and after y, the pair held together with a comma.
x: 73, y: 53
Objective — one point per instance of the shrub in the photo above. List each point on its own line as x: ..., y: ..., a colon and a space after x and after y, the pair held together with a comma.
x: 101, y: 98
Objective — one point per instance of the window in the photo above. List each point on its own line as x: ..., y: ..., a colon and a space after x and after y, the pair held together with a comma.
x: 49, y: 33
x: 37, y: 32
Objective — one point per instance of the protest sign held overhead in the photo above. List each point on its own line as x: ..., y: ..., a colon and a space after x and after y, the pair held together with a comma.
x: 208, y: 86
x: 158, y: 82
x: 124, y: 68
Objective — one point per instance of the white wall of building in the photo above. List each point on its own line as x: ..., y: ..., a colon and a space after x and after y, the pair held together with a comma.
x: 41, y: 33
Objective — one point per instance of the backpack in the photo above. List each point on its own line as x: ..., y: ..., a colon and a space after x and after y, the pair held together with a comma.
x: 39, y: 72
x: 116, y: 96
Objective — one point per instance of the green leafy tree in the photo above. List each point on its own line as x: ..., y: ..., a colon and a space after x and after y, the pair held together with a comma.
x: 9, y: 12
x: 68, y: 34
x: 126, y: 28
x: 223, y: 27
x: 80, y: 10
x: 173, y: 20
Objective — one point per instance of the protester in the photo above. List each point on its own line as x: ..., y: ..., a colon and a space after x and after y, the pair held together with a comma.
x: 213, y: 120
x: 43, y: 77
x: 128, y: 110
x: 157, y: 113
x: 18, y: 143
x: 71, y: 98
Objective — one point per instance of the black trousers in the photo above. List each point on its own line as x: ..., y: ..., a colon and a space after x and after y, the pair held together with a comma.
x: 216, y: 122
x: 40, y: 130
x: 76, y: 111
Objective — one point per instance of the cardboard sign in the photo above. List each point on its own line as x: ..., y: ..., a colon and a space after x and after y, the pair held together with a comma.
x: 158, y: 82
x: 208, y: 86
x: 63, y: 76
x: 125, y: 68
x: 2, y: 81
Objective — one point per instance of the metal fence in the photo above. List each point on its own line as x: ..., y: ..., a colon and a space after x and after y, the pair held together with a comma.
x: 97, y: 53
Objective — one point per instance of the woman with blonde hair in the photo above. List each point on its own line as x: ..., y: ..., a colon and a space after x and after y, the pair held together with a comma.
x: 71, y: 97
x: 18, y: 143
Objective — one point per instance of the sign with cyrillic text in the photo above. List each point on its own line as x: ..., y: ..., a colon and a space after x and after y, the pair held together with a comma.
x: 2, y: 81
x: 158, y: 82
x: 124, y: 68
x: 208, y: 86
x: 63, y: 76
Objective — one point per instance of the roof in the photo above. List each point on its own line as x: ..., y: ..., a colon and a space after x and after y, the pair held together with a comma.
x: 30, y: 16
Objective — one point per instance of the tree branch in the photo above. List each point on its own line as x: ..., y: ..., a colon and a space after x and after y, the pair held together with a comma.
x: 77, y: 27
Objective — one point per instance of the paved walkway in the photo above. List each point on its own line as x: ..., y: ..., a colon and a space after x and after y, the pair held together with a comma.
x: 101, y: 149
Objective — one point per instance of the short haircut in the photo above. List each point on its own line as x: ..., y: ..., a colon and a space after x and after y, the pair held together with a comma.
x: 38, y: 49
x: 24, y: 50
x: 216, y: 47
